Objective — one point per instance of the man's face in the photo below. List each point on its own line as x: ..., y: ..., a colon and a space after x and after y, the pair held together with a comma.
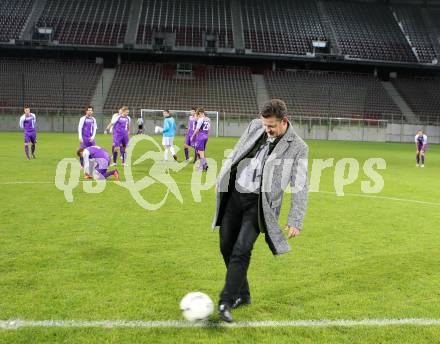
x: 165, y: 114
x: 125, y: 113
x: 419, y: 133
x: 274, y: 127
x: 89, y: 112
x: 192, y: 113
x: 27, y: 111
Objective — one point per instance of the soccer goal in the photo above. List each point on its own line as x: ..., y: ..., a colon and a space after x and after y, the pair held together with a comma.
x: 153, y: 117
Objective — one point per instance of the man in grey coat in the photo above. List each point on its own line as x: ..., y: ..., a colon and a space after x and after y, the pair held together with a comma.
x: 250, y: 187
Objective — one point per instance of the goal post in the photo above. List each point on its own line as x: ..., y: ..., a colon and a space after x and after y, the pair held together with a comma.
x: 153, y: 117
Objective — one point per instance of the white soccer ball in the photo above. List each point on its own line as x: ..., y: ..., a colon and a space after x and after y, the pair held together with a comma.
x: 158, y: 130
x: 196, y: 306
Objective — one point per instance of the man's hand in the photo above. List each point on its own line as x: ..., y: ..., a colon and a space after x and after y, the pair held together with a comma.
x: 105, y: 132
x: 91, y: 139
x: 81, y: 141
x: 292, y: 232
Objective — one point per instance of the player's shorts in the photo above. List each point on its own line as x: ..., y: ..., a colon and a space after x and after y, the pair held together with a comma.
x: 140, y: 127
x: 188, y: 140
x: 86, y: 143
x: 422, y: 148
x: 102, y: 163
x: 99, y: 164
x: 167, y: 141
x: 30, y: 137
x: 120, y: 140
x: 200, y: 144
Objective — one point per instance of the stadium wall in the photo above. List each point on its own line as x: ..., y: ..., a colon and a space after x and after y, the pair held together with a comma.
x: 348, y: 132
x: 69, y: 124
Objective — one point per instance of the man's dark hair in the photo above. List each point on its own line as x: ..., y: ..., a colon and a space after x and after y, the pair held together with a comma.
x: 79, y: 151
x: 26, y: 107
x: 200, y: 110
x: 274, y: 108
x: 193, y: 108
x: 168, y: 111
x: 89, y: 107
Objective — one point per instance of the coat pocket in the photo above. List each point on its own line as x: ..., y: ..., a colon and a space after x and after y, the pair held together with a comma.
x: 276, y: 203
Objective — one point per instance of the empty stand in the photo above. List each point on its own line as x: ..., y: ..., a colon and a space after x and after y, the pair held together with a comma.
x: 47, y: 84
x: 13, y: 16
x: 332, y: 94
x: 422, y: 95
x: 189, y: 19
x: 84, y: 22
x: 368, y: 31
x: 433, y: 17
x: 281, y: 26
x: 412, y: 23
x: 157, y: 86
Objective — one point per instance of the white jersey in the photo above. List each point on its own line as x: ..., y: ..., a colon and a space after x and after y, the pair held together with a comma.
x: 28, y: 123
x: 114, y: 120
x: 115, y: 117
x: 422, y: 140
x: 87, y: 127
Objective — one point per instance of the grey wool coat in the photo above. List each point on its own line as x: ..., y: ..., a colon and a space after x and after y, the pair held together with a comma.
x: 286, y: 165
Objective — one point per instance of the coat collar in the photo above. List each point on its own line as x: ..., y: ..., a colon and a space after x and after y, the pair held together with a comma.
x: 281, y: 146
x: 289, y: 135
x: 248, y: 144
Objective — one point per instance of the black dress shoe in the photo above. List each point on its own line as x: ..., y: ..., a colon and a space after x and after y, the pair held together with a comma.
x: 241, y: 301
x: 225, y: 313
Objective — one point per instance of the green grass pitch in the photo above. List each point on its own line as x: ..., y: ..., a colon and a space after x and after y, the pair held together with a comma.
x: 103, y: 257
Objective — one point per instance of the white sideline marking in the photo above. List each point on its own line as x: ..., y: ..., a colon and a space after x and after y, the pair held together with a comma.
x: 16, y: 324
x: 380, y: 197
x: 322, y: 192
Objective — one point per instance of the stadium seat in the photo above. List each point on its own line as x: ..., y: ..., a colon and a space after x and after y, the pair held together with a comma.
x: 48, y: 84
x: 190, y: 20
x: 368, y: 31
x: 281, y: 27
x: 13, y: 17
x: 421, y: 94
x: 83, y: 22
x: 332, y: 94
x: 413, y: 25
x: 157, y: 86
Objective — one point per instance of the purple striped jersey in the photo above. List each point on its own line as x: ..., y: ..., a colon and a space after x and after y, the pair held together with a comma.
x: 192, y: 124
x: 204, y: 124
x: 121, y: 124
x: 87, y: 127
x: 28, y: 123
x: 96, y: 152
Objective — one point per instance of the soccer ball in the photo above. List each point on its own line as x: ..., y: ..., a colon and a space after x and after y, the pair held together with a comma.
x: 196, y: 306
x: 158, y: 130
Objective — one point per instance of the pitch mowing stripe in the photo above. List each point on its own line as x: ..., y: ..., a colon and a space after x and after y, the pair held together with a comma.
x: 24, y: 182
x: 17, y: 324
x: 311, y: 192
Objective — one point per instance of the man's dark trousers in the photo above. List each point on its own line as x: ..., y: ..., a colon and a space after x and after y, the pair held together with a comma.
x: 238, y: 232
